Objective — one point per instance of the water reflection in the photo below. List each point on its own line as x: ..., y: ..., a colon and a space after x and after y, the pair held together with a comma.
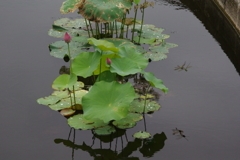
x: 147, y: 147
x: 175, y: 3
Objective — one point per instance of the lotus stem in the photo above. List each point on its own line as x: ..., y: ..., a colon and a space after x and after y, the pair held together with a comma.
x: 97, y: 30
x: 122, y: 26
x: 141, y: 24
x: 127, y: 31
x: 87, y: 28
x: 116, y: 29
x: 91, y: 28
x: 135, y: 16
x: 105, y: 25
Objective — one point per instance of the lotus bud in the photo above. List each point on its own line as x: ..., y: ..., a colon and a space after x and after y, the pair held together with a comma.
x: 67, y: 38
x: 109, y: 62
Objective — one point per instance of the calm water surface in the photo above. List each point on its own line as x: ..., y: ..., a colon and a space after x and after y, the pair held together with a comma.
x: 203, y: 102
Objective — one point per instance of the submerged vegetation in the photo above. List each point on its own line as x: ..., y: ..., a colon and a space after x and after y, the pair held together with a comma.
x: 105, y: 50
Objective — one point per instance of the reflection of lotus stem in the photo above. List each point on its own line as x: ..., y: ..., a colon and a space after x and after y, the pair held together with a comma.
x: 87, y: 28
x: 141, y: 24
x: 116, y: 29
x: 145, y: 101
x: 91, y: 28
x: 69, y: 55
x: 135, y: 16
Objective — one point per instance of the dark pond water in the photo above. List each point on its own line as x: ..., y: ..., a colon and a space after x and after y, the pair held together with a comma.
x: 203, y: 102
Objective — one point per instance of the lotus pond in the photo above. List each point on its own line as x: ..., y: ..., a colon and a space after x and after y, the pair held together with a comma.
x: 194, y: 114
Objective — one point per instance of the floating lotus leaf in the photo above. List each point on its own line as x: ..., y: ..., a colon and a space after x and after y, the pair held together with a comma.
x: 106, y: 130
x: 48, y: 100
x: 108, y: 101
x: 85, y: 63
x: 104, y: 10
x: 61, y: 94
x: 59, y: 48
x: 64, y: 103
x: 70, y: 6
x: 73, y: 27
x: 124, y: 66
x: 124, y: 123
x: 134, y: 56
x: 80, y: 122
x: 81, y: 39
x: 79, y: 93
x: 138, y: 106
x: 64, y: 81
x: 67, y: 112
x: 158, y: 83
x: 157, y: 56
x: 144, y: 40
x: 154, y: 33
x: 77, y: 86
x: 142, y: 135
x: 135, y: 116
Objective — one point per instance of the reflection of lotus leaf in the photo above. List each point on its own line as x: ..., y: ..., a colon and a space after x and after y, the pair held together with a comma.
x: 104, y: 10
x: 142, y: 135
x: 108, y: 101
x: 70, y: 6
x: 138, y: 106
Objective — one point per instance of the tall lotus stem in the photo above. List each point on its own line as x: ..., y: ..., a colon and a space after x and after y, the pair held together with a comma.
x: 122, y: 27
x: 135, y: 16
x: 142, y: 23
x: 91, y: 28
x: 116, y: 29
x: 87, y: 28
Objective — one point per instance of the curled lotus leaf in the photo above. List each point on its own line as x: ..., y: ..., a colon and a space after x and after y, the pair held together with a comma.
x: 137, y: 106
x: 67, y: 112
x: 80, y: 122
x: 142, y: 135
x: 48, y: 100
x: 104, y: 10
x: 59, y: 48
x: 70, y: 6
x: 105, y: 130
x: 108, y: 101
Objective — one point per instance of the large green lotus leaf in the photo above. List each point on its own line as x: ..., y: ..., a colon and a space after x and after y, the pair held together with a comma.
x: 104, y: 10
x: 107, y: 76
x: 70, y: 6
x: 64, y: 103
x: 103, y: 45
x: 124, y: 123
x: 144, y: 40
x: 134, y: 56
x: 106, y: 130
x: 59, y: 48
x: 137, y: 106
x: 108, y: 101
x: 80, y: 122
x: 61, y: 94
x: 64, y: 81
x: 103, y: 66
x: 157, y: 56
x: 48, y: 100
x: 73, y: 27
x: 142, y: 135
x: 158, y: 83
x: 124, y: 66
x: 85, y: 63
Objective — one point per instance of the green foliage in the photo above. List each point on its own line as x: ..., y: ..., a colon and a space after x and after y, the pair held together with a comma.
x: 64, y: 81
x: 108, y: 101
x: 138, y: 105
x: 70, y: 6
x: 142, y: 135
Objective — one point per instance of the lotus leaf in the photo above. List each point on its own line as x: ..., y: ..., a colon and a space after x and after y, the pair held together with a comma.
x: 155, y: 56
x: 48, y: 100
x: 67, y: 112
x: 142, y: 135
x: 70, y: 6
x: 134, y: 56
x: 144, y: 40
x: 61, y: 94
x: 158, y: 83
x: 104, y: 10
x: 124, y: 66
x: 85, y: 63
x: 77, y: 86
x: 138, y: 106
x: 108, y: 101
x: 103, y: 45
x: 64, y: 103
x: 105, y: 130
x: 124, y: 123
x: 58, y: 49
x: 80, y: 122
x: 107, y: 76
x: 64, y: 81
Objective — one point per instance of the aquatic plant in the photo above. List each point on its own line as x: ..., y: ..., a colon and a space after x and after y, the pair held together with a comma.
x: 98, y: 48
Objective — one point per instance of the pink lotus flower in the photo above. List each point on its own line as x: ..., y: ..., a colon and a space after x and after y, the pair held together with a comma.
x: 67, y: 38
x: 109, y: 62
